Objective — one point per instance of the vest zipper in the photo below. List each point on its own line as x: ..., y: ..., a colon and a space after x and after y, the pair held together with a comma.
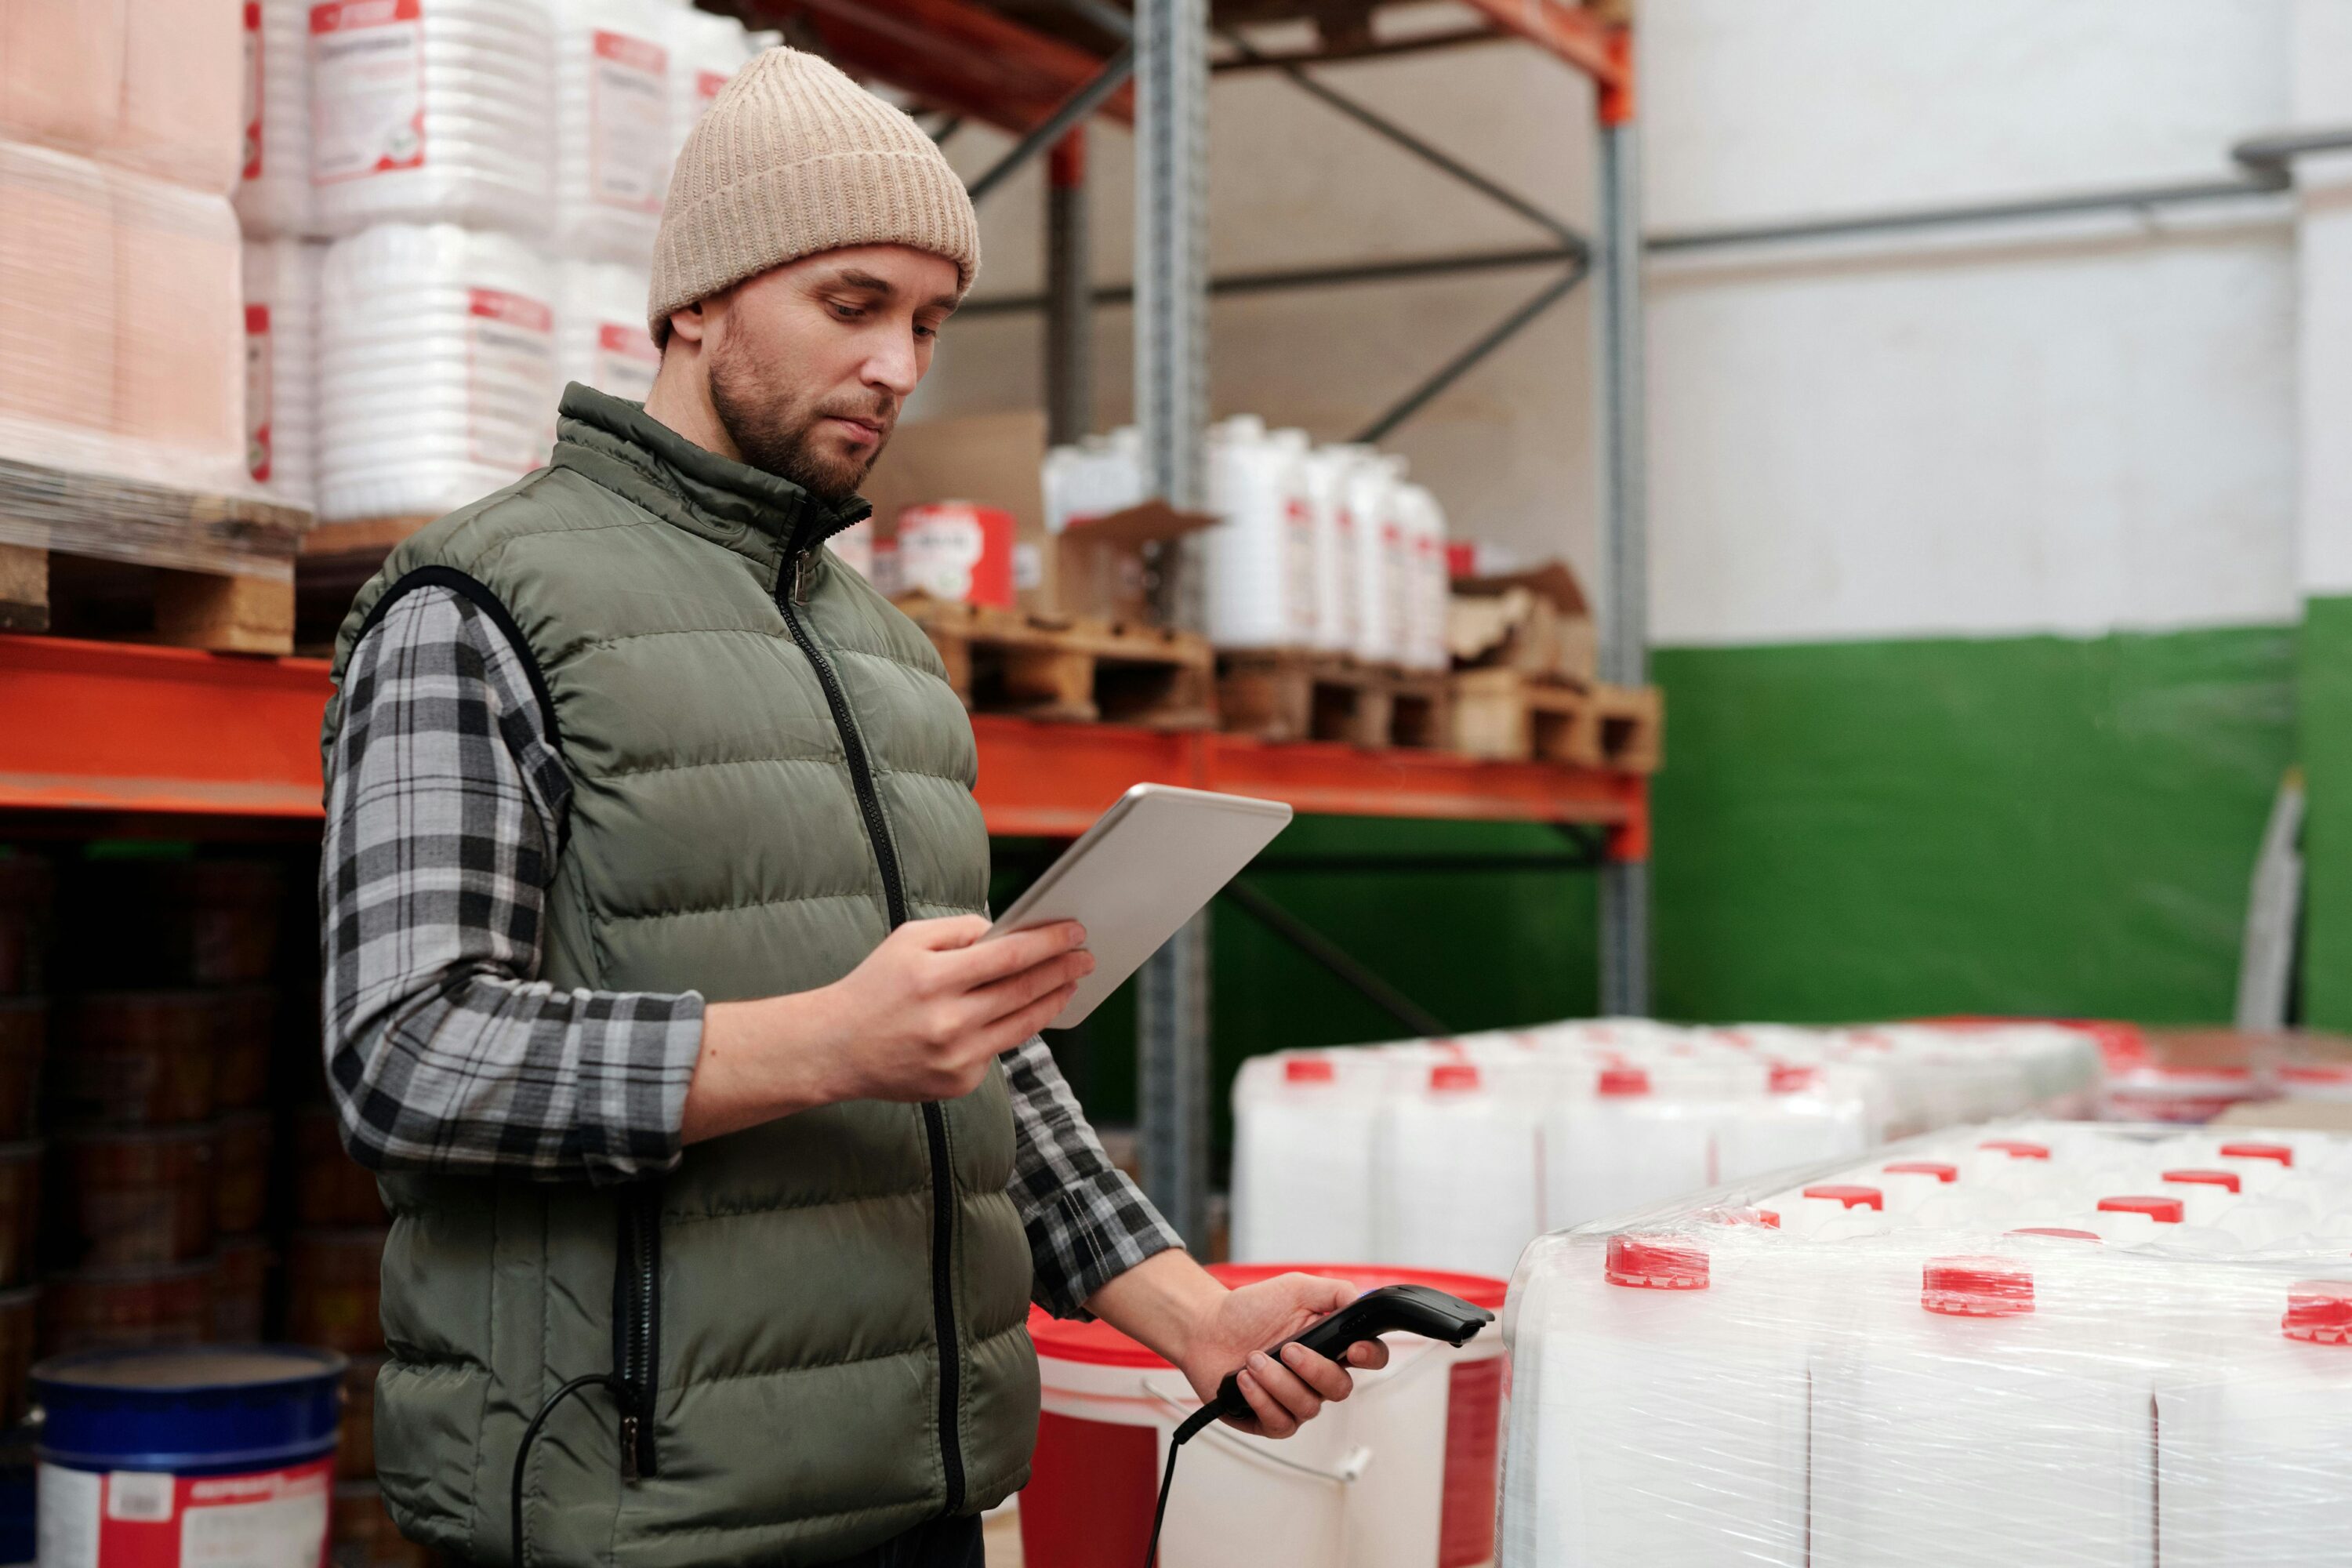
x: 637, y: 1327
x: 935, y: 1125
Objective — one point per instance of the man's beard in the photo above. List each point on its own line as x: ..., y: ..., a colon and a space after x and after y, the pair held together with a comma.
x: 784, y: 440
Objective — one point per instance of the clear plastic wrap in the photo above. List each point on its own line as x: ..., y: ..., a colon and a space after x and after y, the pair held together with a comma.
x: 281, y: 385
x: 153, y: 86
x: 273, y: 192
x: 613, y: 127
x: 432, y: 111
x: 122, y: 328
x: 437, y: 369
x: 706, y: 51
x: 1453, y: 1153
x: 600, y: 329
x: 1950, y: 1352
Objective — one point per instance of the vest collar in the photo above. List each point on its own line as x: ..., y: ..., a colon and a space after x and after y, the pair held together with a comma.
x: 750, y: 511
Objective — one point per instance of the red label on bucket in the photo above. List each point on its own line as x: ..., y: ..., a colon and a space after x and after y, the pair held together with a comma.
x: 1473, y: 1425
x: 139, y: 1518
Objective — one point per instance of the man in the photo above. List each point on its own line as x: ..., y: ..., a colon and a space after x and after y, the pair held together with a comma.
x: 723, y: 1162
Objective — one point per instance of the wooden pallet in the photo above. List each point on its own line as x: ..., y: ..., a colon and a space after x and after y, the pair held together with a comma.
x: 1078, y: 668
x: 1504, y: 714
x: 337, y: 560
x: 87, y: 556
x: 1294, y: 694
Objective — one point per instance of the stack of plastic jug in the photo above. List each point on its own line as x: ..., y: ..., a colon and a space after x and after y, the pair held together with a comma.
x: 2008, y: 1344
x: 437, y: 369
x: 1453, y: 1153
x: 273, y: 192
x: 615, y: 104
x: 1261, y: 558
x: 122, y: 326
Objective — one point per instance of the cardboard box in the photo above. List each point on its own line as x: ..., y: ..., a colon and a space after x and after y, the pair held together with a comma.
x: 1536, y: 622
x: 1097, y: 568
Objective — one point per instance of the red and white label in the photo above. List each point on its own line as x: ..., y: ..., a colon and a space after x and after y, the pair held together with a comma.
x: 140, y: 1519
x: 628, y: 122
x: 252, y: 169
x: 956, y: 551
x: 705, y: 88
x: 627, y: 360
x: 509, y: 378
x: 367, y: 88
x: 258, y: 391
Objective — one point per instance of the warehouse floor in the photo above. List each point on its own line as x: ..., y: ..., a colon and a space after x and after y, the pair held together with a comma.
x: 1003, y: 1530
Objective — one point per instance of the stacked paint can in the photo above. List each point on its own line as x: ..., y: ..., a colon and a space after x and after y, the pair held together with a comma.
x: 1402, y: 1475
x: 202, y: 1454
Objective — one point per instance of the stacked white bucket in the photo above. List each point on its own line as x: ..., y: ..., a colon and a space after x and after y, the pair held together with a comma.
x: 492, y: 173
x: 1995, y: 1346
x: 1455, y: 1153
x: 1325, y: 548
x: 281, y: 391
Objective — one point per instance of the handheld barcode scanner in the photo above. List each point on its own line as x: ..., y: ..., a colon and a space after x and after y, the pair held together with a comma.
x: 1392, y: 1310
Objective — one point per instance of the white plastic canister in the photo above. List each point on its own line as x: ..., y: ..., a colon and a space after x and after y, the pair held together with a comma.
x: 281, y: 393
x: 273, y: 191
x: 1612, y: 1147
x: 1380, y: 573
x: 706, y: 51
x: 600, y: 329
x: 613, y: 127
x: 1402, y: 1475
x: 1427, y: 584
x: 437, y: 369
x: 432, y: 110
x: 1303, y: 1127
x: 1261, y: 557
x: 1330, y: 515
x: 1459, y: 1167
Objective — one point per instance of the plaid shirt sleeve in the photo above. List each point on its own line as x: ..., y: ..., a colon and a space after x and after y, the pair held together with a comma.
x: 1086, y: 1222
x: 445, y: 1050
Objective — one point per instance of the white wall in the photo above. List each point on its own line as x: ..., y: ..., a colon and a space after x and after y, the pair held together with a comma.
x: 2050, y: 427
x: 2323, y: 97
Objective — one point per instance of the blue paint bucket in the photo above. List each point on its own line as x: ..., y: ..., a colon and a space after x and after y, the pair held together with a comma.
x: 224, y: 1452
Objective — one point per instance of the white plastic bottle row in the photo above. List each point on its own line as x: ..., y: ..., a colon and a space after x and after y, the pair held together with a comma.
x: 1708, y: 1387
x: 1325, y: 548
x: 1455, y: 1153
x: 554, y: 120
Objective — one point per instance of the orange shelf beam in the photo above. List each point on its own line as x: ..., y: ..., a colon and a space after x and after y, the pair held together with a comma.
x: 89, y: 726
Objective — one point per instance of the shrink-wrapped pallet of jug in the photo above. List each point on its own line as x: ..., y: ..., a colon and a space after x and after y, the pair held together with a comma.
x: 281, y: 387
x: 273, y: 189
x: 613, y: 127
x: 601, y: 339
x: 1948, y: 1352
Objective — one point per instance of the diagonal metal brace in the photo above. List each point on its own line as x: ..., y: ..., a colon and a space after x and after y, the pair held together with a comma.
x: 1079, y: 106
x: 1454, y: 368
x: 1380, y: 125
x: 1323, y: 951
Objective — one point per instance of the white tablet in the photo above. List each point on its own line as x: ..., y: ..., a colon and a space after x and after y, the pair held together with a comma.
x: 1144, y: 869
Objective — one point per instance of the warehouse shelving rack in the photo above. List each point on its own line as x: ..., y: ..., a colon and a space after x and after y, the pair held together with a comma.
x: 104, y: 738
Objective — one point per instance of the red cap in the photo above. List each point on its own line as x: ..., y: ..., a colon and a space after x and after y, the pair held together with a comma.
x: 1656, y: 1263
x: 2320, y: 1312
x: 2059, y: 1231
x: 2017, y: 1149
x: 2205, y: 1178
x: 2279, y: 1151
x: 2164, y: 1210
x: 1451, y: 1076
x: 1770, y: 1218
x: 2315, y: 1072
x: 1976, y: 1287
x: 1309, y: 1070
x: 1789, y: 1078
x: 1942, y: 1172
x: 1624, y: 1081
x: 1852, y: 1197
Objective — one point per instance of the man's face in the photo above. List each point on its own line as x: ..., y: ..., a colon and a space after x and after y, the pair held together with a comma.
x: 810, y: 362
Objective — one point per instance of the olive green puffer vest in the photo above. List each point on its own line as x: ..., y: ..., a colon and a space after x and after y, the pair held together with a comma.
x: 817, y: 1325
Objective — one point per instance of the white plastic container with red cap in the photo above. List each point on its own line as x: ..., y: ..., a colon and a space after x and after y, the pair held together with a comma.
x: 1652, y: 1422
x: 1329, y: 514
x: 1303, y: 1179
x: 2254, y: 1451
x: 1458, y: 1162
x: 1618, y: 1148
x: 1974, y: 1411
x: 1260, y: 559
x: 1401, y: 1475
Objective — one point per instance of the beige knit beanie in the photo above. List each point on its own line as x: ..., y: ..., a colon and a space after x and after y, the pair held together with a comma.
x: 792, y: 158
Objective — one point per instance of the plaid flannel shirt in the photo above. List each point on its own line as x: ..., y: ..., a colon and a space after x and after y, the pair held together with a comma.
x: 446, y: 806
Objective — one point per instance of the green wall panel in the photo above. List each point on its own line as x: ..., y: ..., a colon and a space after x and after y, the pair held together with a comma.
x: 2325, y: 736
x: 2030, y: 824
